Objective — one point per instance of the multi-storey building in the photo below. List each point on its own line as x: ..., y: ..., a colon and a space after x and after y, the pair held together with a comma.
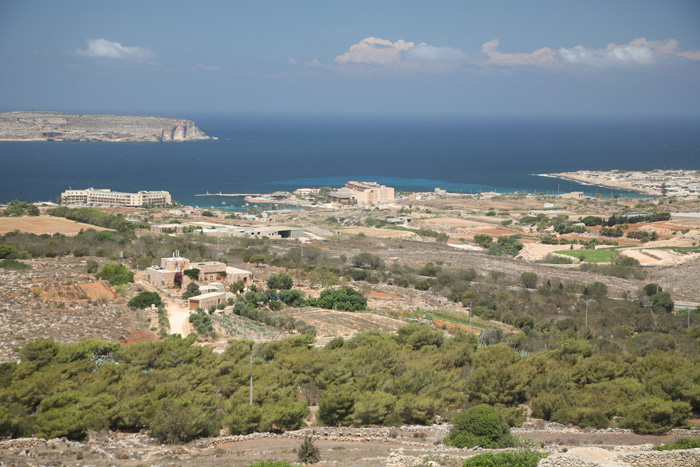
x: 106, y: 197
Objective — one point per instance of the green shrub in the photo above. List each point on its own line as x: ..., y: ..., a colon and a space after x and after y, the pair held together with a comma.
x: 505, y: 459
x: 145, y: 299
x: 192, y: 273
x: 308, y: 452
x: 654, y: 416
x: 173, y: 424
x: 13, y: 264
x: 529, y: 280
x: 345, y: 299
x: 683, y: 443
x: 116, y: 274
x: 92, y: 266
x: 483, y: 426
x: 281, y: 281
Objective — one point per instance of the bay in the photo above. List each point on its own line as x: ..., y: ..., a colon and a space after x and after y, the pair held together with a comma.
x: 262, y: 153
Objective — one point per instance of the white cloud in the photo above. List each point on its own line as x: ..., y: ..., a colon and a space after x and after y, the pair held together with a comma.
x: 315, y: 63
x: 429, y: 53
x: 108, y: 49
x: 543, y: 57
x: 407, y: 56
x: 374, y: 50
x: 638, y: 52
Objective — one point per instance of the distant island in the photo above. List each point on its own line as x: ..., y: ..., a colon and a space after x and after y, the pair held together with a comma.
x: 59, y: 126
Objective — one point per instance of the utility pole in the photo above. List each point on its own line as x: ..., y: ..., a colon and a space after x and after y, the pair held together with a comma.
x: 251, y: 378
x: 587, y: 302
x: 470, y: 315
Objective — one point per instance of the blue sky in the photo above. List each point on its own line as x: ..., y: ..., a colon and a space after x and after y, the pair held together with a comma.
x: 488, y: 58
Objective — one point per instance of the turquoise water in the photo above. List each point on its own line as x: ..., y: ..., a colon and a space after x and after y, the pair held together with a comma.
x: 257, y: 154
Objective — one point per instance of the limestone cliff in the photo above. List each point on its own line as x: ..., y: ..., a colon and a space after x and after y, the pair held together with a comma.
x: 58, y: 126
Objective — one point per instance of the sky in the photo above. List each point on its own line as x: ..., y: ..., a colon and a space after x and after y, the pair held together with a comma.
x: 611, y: 58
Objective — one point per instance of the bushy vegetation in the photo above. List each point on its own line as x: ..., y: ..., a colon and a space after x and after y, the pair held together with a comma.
x: 12, y: 252
x: 145, y: 299
x: 482, y: 426
x: 282, y: 281
x: 505, y: 459
x: 13, y: 264
x: 343, y: 299
x: 20, y: 208
x: 372, y: 378
x: 308, y: 452
x: 506, y: 246
x: 95, y: 216
x: 192, y: 290
x: 683, y: 443
x: 116, y: 274
x: 202, y: 323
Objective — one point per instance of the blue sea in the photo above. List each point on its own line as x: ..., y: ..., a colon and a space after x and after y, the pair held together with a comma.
x: 260, y: 154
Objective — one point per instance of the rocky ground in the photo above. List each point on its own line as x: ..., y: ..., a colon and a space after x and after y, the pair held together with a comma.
x: 407, y: 446
x: 56, y: 299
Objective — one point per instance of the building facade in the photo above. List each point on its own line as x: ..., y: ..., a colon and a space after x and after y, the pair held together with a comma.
x: 107, y: 197
x: 209, y: 271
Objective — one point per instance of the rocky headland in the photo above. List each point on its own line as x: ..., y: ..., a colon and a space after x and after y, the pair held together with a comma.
x: 58, y: 126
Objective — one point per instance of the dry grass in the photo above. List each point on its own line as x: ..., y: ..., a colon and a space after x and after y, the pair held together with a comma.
x: 43, y: 225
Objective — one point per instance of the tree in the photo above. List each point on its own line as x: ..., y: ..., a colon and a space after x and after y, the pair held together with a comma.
x: 662, y: 301
x: 257, y: 259
x: 237, y: 287
x: 652, y: 289
x: 346, y: 299
x: 529, y: 280
x: 145, y: 299
x: 483, y: 240
x: 175, y: 424
x: 191, y: 291
x: 281, y: 281
x: 367, y: 261
x: 336, y: 405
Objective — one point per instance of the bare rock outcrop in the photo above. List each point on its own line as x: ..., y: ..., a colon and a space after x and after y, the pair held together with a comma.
x: 57, y: 126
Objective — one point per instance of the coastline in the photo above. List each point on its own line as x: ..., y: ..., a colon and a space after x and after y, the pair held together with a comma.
x: 584, y: 178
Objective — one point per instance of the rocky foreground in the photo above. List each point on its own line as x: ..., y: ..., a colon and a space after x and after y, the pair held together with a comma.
x: 58, y: 126
x: 406, y: 446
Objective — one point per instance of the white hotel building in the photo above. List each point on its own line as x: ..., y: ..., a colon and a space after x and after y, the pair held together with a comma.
x: 106, y: 197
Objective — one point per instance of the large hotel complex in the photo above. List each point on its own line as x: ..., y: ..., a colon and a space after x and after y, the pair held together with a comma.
x: 106, y: 197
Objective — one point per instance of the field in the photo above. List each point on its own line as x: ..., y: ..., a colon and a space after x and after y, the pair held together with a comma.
x: 43, y: 225
x: 603, y: 255
x: 330, y: 324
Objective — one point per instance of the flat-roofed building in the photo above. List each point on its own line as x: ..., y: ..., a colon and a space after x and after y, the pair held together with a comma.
x: 363, y: 193
x: 209, y: 272
x: 206, y: 300
x: 107, y: 197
